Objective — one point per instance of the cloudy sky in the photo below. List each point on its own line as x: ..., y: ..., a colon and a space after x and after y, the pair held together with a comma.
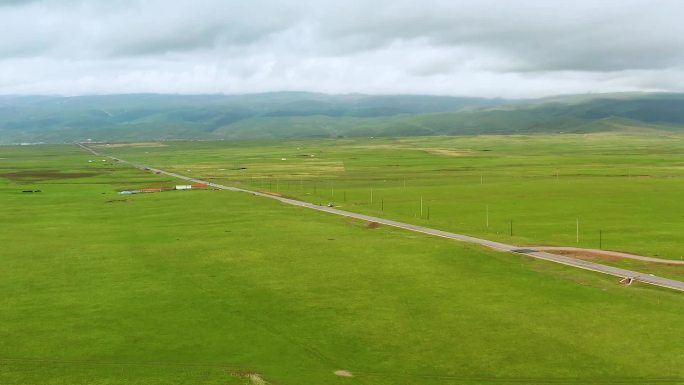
x: 495, y: 48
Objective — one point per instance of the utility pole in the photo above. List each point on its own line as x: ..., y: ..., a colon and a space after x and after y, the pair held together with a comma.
x: 332, y: 190
x: 511, y: 227
x: 421, y: 206
x: 487, y: 215
x: 577, y: 231
x: 600, y: 239
x: 371, y: 195
x: 428, y: 213
x: 382, y: 205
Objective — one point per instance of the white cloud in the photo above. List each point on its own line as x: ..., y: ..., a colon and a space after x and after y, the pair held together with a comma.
x: 477, y: 47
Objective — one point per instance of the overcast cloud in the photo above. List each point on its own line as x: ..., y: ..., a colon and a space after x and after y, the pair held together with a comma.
x: 495, y: 48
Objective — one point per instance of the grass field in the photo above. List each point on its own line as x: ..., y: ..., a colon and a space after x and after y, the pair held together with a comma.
x: 205, y: 287
x: 622, y: 192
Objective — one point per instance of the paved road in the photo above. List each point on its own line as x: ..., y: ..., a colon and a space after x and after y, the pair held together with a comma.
x: 609, y: 253
x: 622, y: 273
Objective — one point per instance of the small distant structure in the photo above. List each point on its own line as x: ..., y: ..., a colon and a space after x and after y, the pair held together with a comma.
x: 150, y: 190
x: 183, y: 187
x: 200, y: 185
x: 126, y: 192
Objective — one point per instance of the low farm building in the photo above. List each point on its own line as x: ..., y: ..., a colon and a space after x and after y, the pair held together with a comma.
x: 200, y: 185
x: 183, y: 187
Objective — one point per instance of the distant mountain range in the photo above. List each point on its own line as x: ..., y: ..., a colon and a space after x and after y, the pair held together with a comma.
x: 144, y: 117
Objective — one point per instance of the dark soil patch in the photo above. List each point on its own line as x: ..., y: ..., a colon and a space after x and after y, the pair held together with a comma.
x: 37, y: 175
x: 373, y: 225
x: 118, y: 201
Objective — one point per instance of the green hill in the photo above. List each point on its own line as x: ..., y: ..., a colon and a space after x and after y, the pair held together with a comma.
x: 601, y: 113
x: 300, y: 114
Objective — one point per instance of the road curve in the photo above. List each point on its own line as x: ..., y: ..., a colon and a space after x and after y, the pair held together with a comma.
x: 530, y: 252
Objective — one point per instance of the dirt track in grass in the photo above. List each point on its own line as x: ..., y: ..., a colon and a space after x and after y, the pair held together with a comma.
x: 604, y: 254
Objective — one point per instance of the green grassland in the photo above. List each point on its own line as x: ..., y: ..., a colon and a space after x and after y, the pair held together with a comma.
x: 625, y: 190
x: 202, y: 287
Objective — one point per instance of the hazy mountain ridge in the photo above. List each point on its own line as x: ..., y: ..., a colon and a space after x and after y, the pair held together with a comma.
x: 300, y: 114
